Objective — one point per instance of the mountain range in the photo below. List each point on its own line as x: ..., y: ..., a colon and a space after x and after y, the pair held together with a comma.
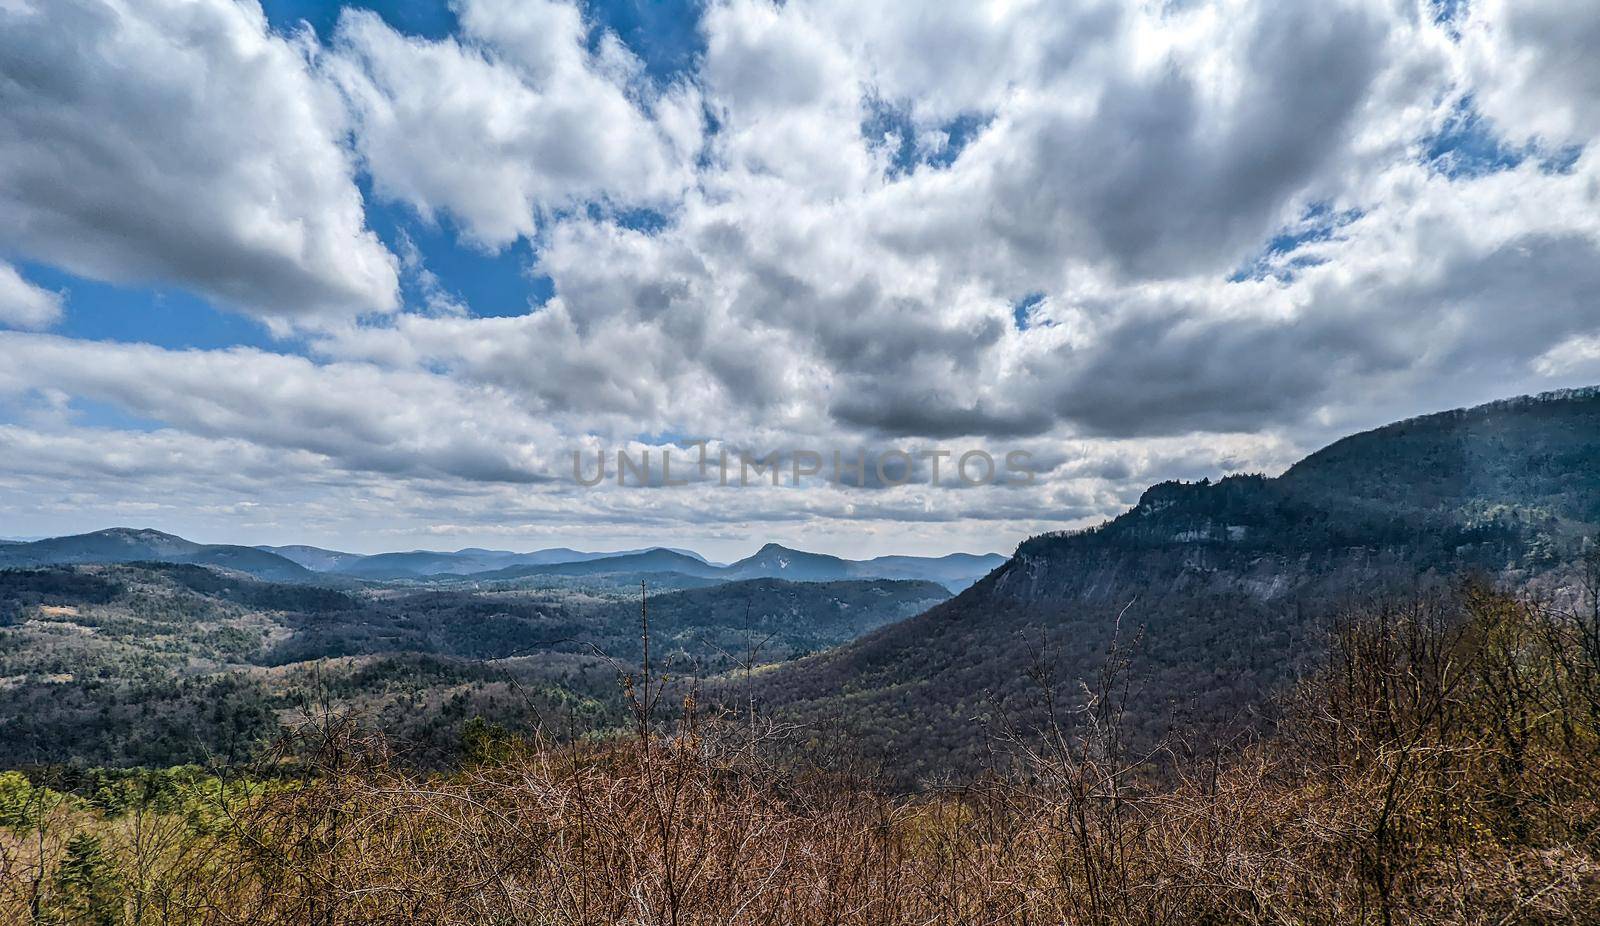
x: 299, y: 563
x: 421, y: 563
x: 1209, y: 596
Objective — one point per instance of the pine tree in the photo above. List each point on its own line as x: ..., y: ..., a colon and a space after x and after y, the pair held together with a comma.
x: 87, y: 889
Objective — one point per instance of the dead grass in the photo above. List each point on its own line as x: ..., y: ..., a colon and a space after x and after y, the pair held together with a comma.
x: 1443, y: 768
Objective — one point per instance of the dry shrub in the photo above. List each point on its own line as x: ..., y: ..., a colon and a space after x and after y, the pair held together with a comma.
x: 1442, y: 768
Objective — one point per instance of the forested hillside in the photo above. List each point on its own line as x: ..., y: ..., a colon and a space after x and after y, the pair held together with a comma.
x: 153, y: 664
x: 1218, y: 590
x: 1439, y: 765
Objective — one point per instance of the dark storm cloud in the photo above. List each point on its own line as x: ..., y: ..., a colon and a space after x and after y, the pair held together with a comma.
x: 934, y: 414
x: 1168, y: 174
x: 1484, y: 319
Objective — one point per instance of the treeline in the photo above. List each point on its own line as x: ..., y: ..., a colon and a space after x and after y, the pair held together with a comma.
x: 1287, y: 517
x: 1441, y: 766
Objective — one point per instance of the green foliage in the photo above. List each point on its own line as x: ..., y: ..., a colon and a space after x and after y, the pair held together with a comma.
x: 24, y: 805
x: 87, y: 887
x: 485, y: 741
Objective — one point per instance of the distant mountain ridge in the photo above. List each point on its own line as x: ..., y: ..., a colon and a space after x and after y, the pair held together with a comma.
x: 302, y: 563
x: 955, y: 571
x: 650, y: 561
x: 315, y: 559
x: 423, y: 563
x: 127, y: 545
x: 772, y: 561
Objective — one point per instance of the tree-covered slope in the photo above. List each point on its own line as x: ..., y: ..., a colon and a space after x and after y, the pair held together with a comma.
x: 160, y: 663
x: 1222, y: 583
x: 1536, y: 458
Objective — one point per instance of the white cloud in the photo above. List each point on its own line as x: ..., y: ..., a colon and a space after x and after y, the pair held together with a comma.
x: 178, y: 142
x: 512, y: 121
x: 843, y: 256
x: 1534, y: 67
x: 1579, y: 355
x: 24, y: 305
x: 359, y: 416
x: 1129, y: 164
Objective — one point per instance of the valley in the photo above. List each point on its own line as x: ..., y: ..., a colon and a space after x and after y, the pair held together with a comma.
x: 1218, y: 594
x: 1432, y: 585
x: 160, y: 664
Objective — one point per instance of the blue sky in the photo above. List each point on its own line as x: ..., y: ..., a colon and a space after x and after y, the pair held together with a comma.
x: 369, y: 287
x: 663, y: 33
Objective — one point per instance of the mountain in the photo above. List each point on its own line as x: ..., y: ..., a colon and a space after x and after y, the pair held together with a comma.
x: 657, y: 560
x: 778, y: 562
x: 315, y: 559
x: 126, y: 545
x: 1218, y: 590
x: 678, y: 550
x: 955, y: 571
x: 1529, y: 462
x: 772, y: 561
x: 418, y: 564
x: 293, y: 562
x: 296, y: 562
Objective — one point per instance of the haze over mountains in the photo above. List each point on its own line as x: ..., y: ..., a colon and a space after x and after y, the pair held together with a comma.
x: 298, y: 563
x: 419, y: 563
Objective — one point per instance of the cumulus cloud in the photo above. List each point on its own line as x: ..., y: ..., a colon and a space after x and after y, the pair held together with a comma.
x: 181, y: 143
x: 1139, y: 240
x: 24, y: 305
x: 513, y: 121
x: 1124, y: 168
x: 356, y: 415
x: 1534, y: 67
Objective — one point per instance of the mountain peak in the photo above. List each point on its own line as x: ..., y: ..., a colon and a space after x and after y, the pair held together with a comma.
x: 145, y: 534
x: 136, y: 544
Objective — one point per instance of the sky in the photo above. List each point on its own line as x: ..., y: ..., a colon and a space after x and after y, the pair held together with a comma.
x: 368, y: 276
